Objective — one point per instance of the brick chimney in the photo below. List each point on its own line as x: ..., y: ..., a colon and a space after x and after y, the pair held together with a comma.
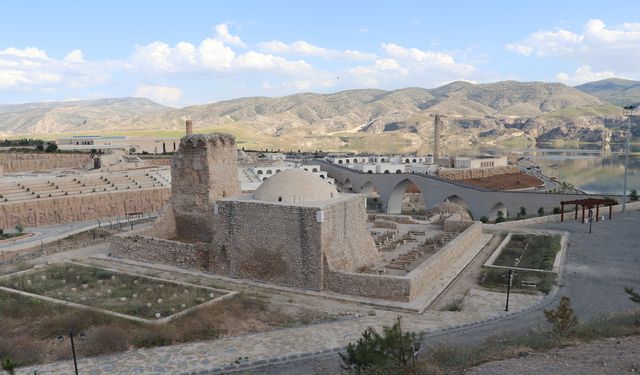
x: 189, y: 127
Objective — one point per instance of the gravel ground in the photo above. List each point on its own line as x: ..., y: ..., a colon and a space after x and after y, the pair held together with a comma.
x: 610, y: 356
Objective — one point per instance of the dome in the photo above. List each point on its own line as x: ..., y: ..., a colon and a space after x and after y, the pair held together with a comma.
x: 446, y: 209
x: 295, y: 186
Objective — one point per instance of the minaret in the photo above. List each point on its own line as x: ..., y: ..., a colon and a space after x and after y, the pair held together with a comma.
x: 189, y: 127
x: 436, y: 138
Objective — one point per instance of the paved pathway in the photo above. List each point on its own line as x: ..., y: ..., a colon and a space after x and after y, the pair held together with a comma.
x: 598, y: 267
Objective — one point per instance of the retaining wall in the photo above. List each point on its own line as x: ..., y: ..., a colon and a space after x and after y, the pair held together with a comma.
x: 13, y: 162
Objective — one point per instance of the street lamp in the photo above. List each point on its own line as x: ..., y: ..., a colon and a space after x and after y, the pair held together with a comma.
x: 627, y: 111
x: 509, y: 280
x: 590, y: 219
x: 82, y: 336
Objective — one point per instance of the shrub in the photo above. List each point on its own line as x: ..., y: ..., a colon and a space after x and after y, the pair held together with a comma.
x: 541, y: 211
x: 9, y: 365
x: 563, y: 318
x: 484, y: 219
x: 635, y: 297
x: 500, y: 218
x: 19, y: 228
x: 51, y: 147
x: 633, y: 195
x: 389, y: 352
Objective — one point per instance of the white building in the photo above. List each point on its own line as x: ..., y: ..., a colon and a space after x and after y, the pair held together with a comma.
x: 479, y: 162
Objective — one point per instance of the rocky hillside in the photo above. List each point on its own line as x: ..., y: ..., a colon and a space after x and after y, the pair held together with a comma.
x: 617, y: 91
x: 58, y: 117
x: 496, y: 111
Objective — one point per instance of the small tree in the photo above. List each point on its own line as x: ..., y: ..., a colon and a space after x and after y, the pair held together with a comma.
x: 635, y: 297
x: 633, y: 195
x: 484, y: 219
x: 19, y: 228
x: 563, y: 318
x: 500, y: 217
x: 9, y: 365
x: 541, y: 211
x: 523, y: 212
x: 390, y: 352
x: 51, y: 147
x: 556, y: 210
x: 1, y: 231
x: 40, y: 147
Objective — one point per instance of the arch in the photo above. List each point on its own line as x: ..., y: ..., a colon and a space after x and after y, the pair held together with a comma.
x: 406, y: 197
x: 498, y: 207
x: 269, y: 171
x: 398, y: 171
x: 414, y: 160
x: 278, y: 170
x: 259, y: 171
x: 340, y: 161
x: 383, y: 160
x: 406, y: 160
x: 314, y: 170
x: 370, y: 171
x: 306, y: 169
x: 372, y: 193
x: 347, y: 161
x: 347, y: 184
x: 322, y: 177
x: 387, y: 171
x: 264, y: 178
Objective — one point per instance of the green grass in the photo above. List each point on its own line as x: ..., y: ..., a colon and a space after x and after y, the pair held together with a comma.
x: 532, y: 251
x: 496, y: 280
x: 132, y: 295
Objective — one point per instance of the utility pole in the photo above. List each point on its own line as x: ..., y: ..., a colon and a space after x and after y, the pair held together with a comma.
x: 627, y: 111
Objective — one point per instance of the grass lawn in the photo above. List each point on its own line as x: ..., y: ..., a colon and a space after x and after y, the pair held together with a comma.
x: 530, y: 251
x: 138, y: 296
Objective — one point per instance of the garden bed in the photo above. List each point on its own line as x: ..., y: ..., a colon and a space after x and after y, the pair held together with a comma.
x: 529, y: 251
x: 135, y: 297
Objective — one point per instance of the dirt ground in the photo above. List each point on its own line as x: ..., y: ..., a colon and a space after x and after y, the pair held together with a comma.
x: 610, y: 356
x: 505, y: 181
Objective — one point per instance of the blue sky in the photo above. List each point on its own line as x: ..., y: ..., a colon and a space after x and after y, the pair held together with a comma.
x: 192, y: 52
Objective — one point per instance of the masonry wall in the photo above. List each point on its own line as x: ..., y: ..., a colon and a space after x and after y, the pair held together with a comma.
x: 156, y: 250
x: 65, y: 209
x: 463, y: 174
x: 347, y: 244
x: 394, y: 288
x: 203, y: 170
x: 274, y: 243
x: 13, y: 162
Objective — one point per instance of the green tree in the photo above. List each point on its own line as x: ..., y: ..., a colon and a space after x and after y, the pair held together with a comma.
x: 634, y: 296
x: 633, y: 195
x: 40, y: 147
x: 563, y: 318
x: 9, y: 365
x: 541, y: 211
x: 51, y: 147
x: 523, y: 212
x: 393, y: 351
x: 556, y: 210
x: 19, y: 228
x: 500, y: 217
x: 484, y: 219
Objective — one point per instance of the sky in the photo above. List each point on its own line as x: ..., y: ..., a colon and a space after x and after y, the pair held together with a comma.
x: 182, y: 53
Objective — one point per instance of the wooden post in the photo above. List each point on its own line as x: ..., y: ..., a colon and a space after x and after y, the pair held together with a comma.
x: 582, y: 214
x: 576, y: 216
x: 597, y: 211
x: 561, y: 211
x: 610, y: 206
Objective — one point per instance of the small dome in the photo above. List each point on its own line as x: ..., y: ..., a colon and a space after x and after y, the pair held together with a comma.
x: 446, y: 209
x: 295, y: 186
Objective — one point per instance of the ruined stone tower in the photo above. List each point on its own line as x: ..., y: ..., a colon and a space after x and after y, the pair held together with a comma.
x: 188, y: 127
x: 203, y: 170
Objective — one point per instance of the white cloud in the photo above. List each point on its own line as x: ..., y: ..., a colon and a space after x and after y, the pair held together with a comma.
x: 582, y: 75
x: 427, y: 59
x: 597, y: 44
x: 301, y: 47
x: 28, y: 68
x: 222, y: 30
x: 162, y: 94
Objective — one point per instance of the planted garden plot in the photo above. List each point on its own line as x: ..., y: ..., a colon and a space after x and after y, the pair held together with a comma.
x: 141, y: 297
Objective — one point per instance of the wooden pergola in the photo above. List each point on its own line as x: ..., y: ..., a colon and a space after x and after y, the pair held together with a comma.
x: 588, y: 204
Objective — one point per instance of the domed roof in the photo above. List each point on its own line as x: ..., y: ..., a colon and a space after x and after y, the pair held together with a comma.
x: 295, y: 186
x: 446, y: 209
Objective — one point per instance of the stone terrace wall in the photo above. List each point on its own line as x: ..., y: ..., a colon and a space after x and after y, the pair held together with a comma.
x: 13, y: 162
x: 432, y: 269
x: 155, y: 250
x: 396, y: 288
x: 65, y: 209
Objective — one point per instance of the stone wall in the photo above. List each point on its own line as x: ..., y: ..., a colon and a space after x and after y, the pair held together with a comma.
x: 465, y: 174
x: 156, y: 250
x: 395, y: 288
x: 203, y: 170
x: 65, y: 209
x: 275, y: 243
x: 13, y: 162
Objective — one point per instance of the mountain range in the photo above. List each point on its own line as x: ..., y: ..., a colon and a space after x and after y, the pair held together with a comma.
x: 535, y: 111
